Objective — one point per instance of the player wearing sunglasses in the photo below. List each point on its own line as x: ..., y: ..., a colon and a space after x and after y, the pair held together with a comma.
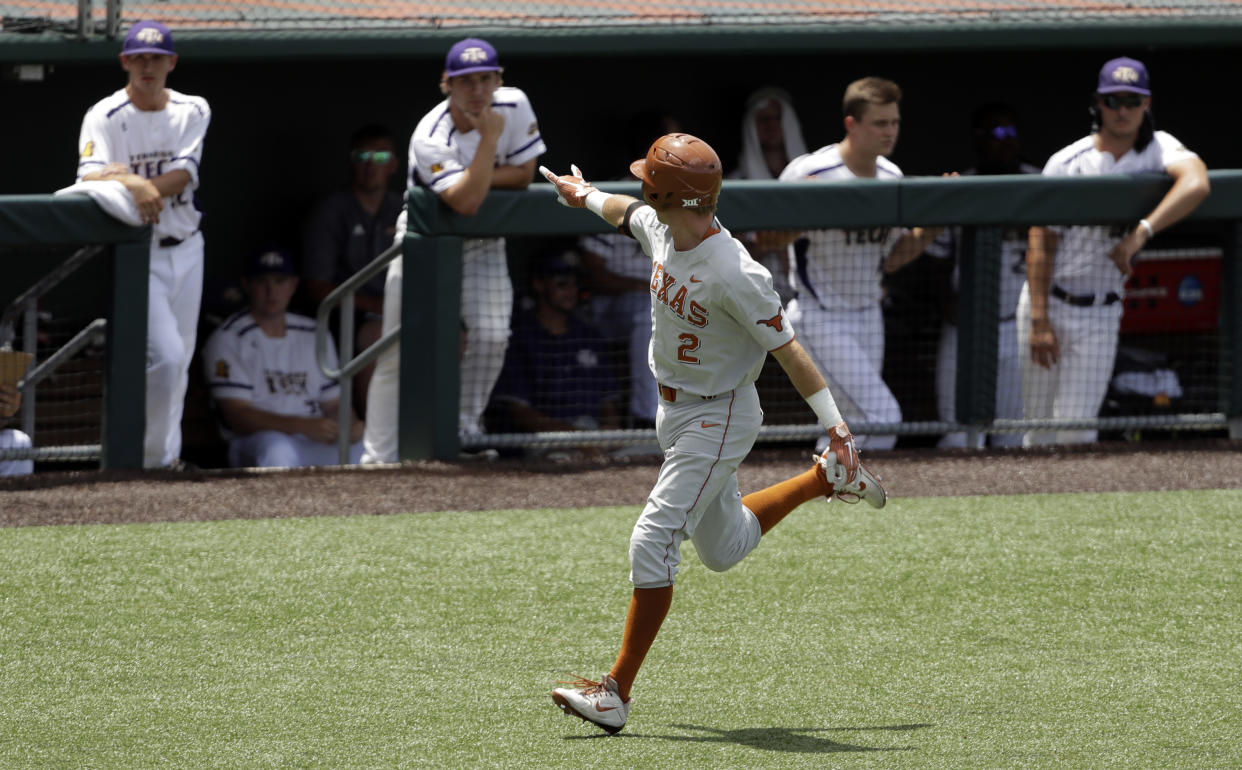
x: 1069, y: 314
x: 347, y: 230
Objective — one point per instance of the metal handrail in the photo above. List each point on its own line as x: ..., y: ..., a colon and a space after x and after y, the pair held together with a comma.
x: 26, y: 303
x: 41, y: 287
x: 348, y: 363
x: 90, y: 333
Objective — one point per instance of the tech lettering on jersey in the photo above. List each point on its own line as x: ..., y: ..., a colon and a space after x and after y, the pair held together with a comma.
x: 661, y: 282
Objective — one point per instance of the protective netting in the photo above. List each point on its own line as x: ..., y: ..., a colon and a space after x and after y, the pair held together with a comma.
x: 61, y: 413
x: 340, y: 14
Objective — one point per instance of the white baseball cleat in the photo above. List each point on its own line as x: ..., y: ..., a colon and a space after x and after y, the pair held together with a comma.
x: 597, y: 702
x: 865, y: 486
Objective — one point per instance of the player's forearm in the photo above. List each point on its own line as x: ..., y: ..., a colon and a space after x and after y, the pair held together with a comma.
x: 911, y: 245
x: 800, y: 368
x: 172, y: 183
x: 471, y: 189
x: 513, y: 177
x: 614, y: 208
x: 1041, y: 247
x: 245, y: 419
x: 1190, y: 188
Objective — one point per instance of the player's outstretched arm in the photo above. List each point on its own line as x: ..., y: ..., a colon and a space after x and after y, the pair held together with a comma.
x: 574, y: 191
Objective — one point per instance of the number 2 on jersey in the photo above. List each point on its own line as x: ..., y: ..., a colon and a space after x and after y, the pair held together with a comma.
x: 689, y: 344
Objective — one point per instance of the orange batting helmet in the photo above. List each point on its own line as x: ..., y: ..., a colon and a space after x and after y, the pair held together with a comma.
x: 680, y: 170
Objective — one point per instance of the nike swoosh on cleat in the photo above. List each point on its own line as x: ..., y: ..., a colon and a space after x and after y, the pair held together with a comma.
x: 604, y: 708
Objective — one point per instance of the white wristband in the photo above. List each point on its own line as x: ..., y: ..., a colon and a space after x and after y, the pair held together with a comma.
x: 1143, y: 223
x: 595, y: 201
x: 825, y: 408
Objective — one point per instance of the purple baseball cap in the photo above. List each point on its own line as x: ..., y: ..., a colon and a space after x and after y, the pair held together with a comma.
x: 471, y: 55
x: 1124, y: 74
x: 148, y: 37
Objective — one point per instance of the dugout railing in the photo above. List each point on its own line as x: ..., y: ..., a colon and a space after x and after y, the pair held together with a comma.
x: 982, y: 206
x: 38, y: 235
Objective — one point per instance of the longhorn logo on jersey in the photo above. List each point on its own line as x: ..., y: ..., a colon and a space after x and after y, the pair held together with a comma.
x: 777, y: 321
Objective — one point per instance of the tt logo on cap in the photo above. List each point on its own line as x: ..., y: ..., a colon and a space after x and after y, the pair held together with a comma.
x: 150, y: 36
x: 1125, y: 74
x: 271, y: 259
x: 473, y: 55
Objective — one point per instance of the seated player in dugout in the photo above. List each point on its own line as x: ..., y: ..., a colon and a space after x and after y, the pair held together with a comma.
x: 556, y: 375
x: 277, y: 408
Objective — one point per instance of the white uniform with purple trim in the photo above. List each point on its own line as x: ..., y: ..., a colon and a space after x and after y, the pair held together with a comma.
x: 439, y: 154
x: 714, y: 317
x: 838, y: 302
x: 279, y: 375
x: 153, y: 143
x: 1087, y: 336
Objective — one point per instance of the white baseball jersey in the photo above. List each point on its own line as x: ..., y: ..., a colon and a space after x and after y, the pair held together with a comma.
x: 439, y: 153
x: 714, y: 313
x: 276, y: 374
x: 842, y: 267
x: 150, y: 143
x: 1082, y: 265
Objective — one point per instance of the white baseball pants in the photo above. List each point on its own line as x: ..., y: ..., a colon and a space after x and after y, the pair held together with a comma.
x: 696, y: 494
x: 174, y: 294
x: 273, y: 449
x: 15, y: 439
x: 1075, y: 386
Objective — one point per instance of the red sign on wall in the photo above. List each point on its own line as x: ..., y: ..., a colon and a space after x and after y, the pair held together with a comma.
x: 1173, y: 290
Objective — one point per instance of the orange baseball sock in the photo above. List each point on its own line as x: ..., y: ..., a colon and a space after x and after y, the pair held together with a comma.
x: 648, y: 607
x: 774, y: 503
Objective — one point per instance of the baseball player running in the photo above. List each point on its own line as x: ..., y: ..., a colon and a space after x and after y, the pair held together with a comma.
x: 1069, y: 313
x: 149, y: 138
x: 483, y: 136
x: 838, y: 279
x: 714, y: 318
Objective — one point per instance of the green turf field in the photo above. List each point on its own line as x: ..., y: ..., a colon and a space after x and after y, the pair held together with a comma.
x: 1007, y: 632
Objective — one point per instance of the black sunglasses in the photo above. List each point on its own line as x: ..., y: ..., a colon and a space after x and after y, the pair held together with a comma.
x: 1127, y: 99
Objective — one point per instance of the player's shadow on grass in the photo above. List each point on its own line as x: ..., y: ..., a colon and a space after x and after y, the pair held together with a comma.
x: 801, y: 740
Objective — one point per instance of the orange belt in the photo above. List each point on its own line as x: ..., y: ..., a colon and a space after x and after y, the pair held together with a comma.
x: 669, y: 394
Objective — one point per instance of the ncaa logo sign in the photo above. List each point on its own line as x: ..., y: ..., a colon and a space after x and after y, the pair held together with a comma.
x: 1190, y: 291
x: 150, y: 36
x: 1125, y: 74
x: 473, y: 55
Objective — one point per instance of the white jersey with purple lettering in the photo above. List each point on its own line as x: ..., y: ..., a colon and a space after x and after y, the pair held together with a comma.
x: 1081, y: 265
x: 714, y: 313
x: 841, y: 268
x: 276, y: 374
x: 150, y: 143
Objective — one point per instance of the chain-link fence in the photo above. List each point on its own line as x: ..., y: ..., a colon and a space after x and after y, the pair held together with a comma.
x: 87, y: 18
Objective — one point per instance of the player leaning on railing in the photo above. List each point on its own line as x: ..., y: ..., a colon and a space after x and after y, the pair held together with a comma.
x: 715, y: 317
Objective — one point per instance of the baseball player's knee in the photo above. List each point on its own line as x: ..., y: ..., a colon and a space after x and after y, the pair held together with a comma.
x: 654, y: 558
x: 274, y: 449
